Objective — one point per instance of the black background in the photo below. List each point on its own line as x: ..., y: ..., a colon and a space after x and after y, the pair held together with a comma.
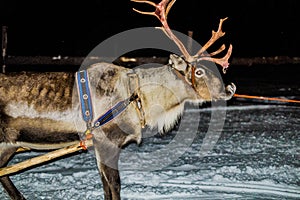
x: 254, y: 27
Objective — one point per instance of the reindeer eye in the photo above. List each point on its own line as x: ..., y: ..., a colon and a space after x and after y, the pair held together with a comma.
x: 199, y: 73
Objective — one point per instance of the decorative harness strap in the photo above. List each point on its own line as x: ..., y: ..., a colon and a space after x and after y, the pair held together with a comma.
x: 113, y: 112
x: 134, y: 88
x: 85, y: 99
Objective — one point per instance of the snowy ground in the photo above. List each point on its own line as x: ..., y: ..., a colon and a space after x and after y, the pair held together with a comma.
x: 256, y: 156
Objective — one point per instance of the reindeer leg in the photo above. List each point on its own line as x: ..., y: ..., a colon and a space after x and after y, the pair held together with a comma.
x: 12, y: 191
x: 108, y: 143
x: 107, y: 192
x: 107, y: 160
x: 111, y: 182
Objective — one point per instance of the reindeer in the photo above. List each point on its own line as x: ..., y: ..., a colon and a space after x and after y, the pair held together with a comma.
x: 39, y: 110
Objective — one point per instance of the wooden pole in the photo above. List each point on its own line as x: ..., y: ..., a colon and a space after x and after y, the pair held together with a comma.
x: 190, y: 42
x: 4, y: 47
x: 43, y: 158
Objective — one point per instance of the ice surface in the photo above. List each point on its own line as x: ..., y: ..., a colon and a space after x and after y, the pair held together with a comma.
x: 256, y: 156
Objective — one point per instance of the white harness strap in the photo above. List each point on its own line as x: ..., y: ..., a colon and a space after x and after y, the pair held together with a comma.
x: 134, y: 88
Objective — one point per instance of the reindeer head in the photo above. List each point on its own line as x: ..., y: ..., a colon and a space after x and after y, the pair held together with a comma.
x: 206, y: 83
x: 187, y: 66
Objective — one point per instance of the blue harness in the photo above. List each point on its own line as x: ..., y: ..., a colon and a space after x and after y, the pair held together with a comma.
x: 87, y: 108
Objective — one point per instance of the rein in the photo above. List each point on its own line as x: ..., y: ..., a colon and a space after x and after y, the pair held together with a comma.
x: 266, y: 98
x: 193, y: 77
x: 182, y: 77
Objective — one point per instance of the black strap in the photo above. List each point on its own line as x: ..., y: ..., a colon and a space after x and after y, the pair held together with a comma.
x: 114, y: 112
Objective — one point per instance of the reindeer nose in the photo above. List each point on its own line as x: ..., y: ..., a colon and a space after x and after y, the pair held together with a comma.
x: 230, y: 90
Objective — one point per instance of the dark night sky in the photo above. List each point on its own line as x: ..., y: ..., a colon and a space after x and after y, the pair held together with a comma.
x: 255, y: 27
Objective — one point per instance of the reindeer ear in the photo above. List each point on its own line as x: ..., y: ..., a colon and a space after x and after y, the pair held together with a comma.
x: 178, y: 63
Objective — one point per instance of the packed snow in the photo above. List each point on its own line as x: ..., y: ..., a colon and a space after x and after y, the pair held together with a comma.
x: 255, y: 155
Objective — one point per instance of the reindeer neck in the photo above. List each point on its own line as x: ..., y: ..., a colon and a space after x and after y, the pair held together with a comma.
x: 162, y: 102
x: 161, y: 85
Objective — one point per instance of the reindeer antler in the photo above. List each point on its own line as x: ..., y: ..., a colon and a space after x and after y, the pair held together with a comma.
x: 215, y: 36
x: 161, y: 12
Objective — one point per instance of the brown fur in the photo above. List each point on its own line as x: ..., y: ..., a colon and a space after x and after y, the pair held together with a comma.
x: 50, y: 91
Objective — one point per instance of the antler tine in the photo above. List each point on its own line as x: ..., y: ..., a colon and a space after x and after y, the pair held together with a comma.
x: 215, y: 36
x: 161, y: 12
x: 169, y: 7
x: 145, y: 1
x: 222, y: 48
x: 142, y: 12
x: 221, y: 61
x: 163, y: 3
